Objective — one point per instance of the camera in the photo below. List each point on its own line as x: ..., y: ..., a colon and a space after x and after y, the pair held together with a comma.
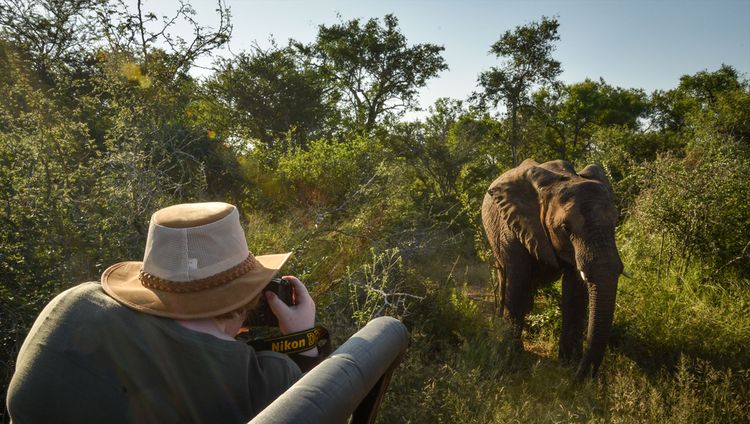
x: 261, y: 315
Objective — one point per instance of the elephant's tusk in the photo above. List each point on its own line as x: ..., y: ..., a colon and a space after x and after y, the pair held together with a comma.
x: 627, y: 274
x: 583, y: 276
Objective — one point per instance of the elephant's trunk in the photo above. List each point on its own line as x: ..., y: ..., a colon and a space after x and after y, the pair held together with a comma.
x: 602, y: 296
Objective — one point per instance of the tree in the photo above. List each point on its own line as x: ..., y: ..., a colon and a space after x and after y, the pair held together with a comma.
x: 451, y: 155
x: 706, y: 86
x: 271, y: 96
x: 373, y: 67
x: 671, y: 110
x: 567, y: 115
x: 426, y: 148
x: 140, y: 32
x: 51, y: 33
x: 528, y: 50
x: 59, y: 35
x: 720, y: 99
x: 700, y: 203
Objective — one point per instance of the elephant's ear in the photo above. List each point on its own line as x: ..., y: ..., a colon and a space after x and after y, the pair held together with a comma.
x: 518, y: 202
x: 596, y: 172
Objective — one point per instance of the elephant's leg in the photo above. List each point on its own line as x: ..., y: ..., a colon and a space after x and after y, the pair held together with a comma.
x: 518, y: 297
x: 574, y: 304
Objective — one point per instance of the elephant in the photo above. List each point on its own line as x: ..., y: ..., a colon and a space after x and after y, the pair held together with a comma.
x: 546, y: 221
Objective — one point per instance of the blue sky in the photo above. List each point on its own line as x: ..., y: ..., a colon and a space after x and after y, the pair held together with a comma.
x: 633, y: 44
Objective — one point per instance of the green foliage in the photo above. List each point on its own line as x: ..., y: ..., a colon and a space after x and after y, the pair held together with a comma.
x: 567, y: 116
x: 675, y: 110
x: 704, y: 87
x: 451, y: 157
x: 376, y: 72
x: 265, y: 95
x: 528, y: 49
x: 699, y: 205
x: 430, y: 149
x: 674, y: 307
x: 50, y: 33
x: 623, y: 152
x: 329, y: 172
x: 732, y: 115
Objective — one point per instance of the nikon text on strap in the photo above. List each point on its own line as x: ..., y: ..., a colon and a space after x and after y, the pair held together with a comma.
x: 296, y: 342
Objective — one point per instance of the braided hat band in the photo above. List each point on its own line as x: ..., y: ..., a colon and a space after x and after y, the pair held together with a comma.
x: 154, y: 282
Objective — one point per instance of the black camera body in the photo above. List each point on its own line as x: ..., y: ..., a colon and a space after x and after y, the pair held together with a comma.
x: 261, y: 315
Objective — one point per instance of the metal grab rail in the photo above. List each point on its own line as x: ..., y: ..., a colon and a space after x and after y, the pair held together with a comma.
x: 349, y: 383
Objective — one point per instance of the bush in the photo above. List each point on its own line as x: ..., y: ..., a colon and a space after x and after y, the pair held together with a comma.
x: 327, y: 173
x: 699, y: 206
x: 667, y: 311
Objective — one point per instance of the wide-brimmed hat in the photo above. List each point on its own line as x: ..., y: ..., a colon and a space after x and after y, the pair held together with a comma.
x: 196, y: 265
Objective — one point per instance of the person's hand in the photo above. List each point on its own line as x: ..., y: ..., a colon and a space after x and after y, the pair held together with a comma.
x: 299, y: 317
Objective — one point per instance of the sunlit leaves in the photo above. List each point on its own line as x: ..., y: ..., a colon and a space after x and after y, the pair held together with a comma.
x: 374, y: 68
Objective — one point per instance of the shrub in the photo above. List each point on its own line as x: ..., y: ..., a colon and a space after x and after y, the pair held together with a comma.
x: 328, y: 172
x: 699, y: 205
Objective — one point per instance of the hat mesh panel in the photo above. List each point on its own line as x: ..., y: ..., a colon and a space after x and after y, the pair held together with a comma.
x: 186, y: 254
x: 212, y: 251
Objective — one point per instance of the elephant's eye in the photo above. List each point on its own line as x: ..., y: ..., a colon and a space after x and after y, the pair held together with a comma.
x: 565, y: 227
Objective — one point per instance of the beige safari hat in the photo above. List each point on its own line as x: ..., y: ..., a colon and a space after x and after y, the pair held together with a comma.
x: 196, y: 265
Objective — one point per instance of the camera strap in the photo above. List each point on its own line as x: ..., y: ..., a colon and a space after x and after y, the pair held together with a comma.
x: 296, y: 342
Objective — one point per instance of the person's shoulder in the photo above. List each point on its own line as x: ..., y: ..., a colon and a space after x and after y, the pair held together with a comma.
x: 86, y: 287
x: 89, y: 287
x: 90, y: 292
x: 73, y: 294
x: 88, y: 303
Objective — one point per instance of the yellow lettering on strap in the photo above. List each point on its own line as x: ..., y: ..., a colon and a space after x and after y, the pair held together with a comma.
x: 292, y: 343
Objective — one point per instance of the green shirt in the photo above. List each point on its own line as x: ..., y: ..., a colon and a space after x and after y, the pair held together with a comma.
x: 90, y: 359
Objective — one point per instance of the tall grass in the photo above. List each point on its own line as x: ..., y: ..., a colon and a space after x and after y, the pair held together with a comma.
x: 479, y: 378
x: 679, y: 351
x: 667, y: 312
x: 679, y: 354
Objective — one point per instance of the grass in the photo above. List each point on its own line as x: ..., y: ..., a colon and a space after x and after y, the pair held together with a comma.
x: 679, y: 354
x: 477, y: 377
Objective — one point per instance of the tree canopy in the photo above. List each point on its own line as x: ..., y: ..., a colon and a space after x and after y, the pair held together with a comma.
x: 373, y: 67
x: 528, y: 62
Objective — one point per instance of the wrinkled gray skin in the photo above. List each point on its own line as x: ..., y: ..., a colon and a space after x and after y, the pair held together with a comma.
x: 546, y: 221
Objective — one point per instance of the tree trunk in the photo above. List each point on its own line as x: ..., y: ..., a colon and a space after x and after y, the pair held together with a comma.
x: 514, y: 135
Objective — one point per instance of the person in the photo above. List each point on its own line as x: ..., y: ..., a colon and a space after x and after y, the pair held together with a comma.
x: 154, y: 340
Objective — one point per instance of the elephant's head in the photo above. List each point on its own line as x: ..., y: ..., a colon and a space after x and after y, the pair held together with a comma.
x: 567, y: 220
